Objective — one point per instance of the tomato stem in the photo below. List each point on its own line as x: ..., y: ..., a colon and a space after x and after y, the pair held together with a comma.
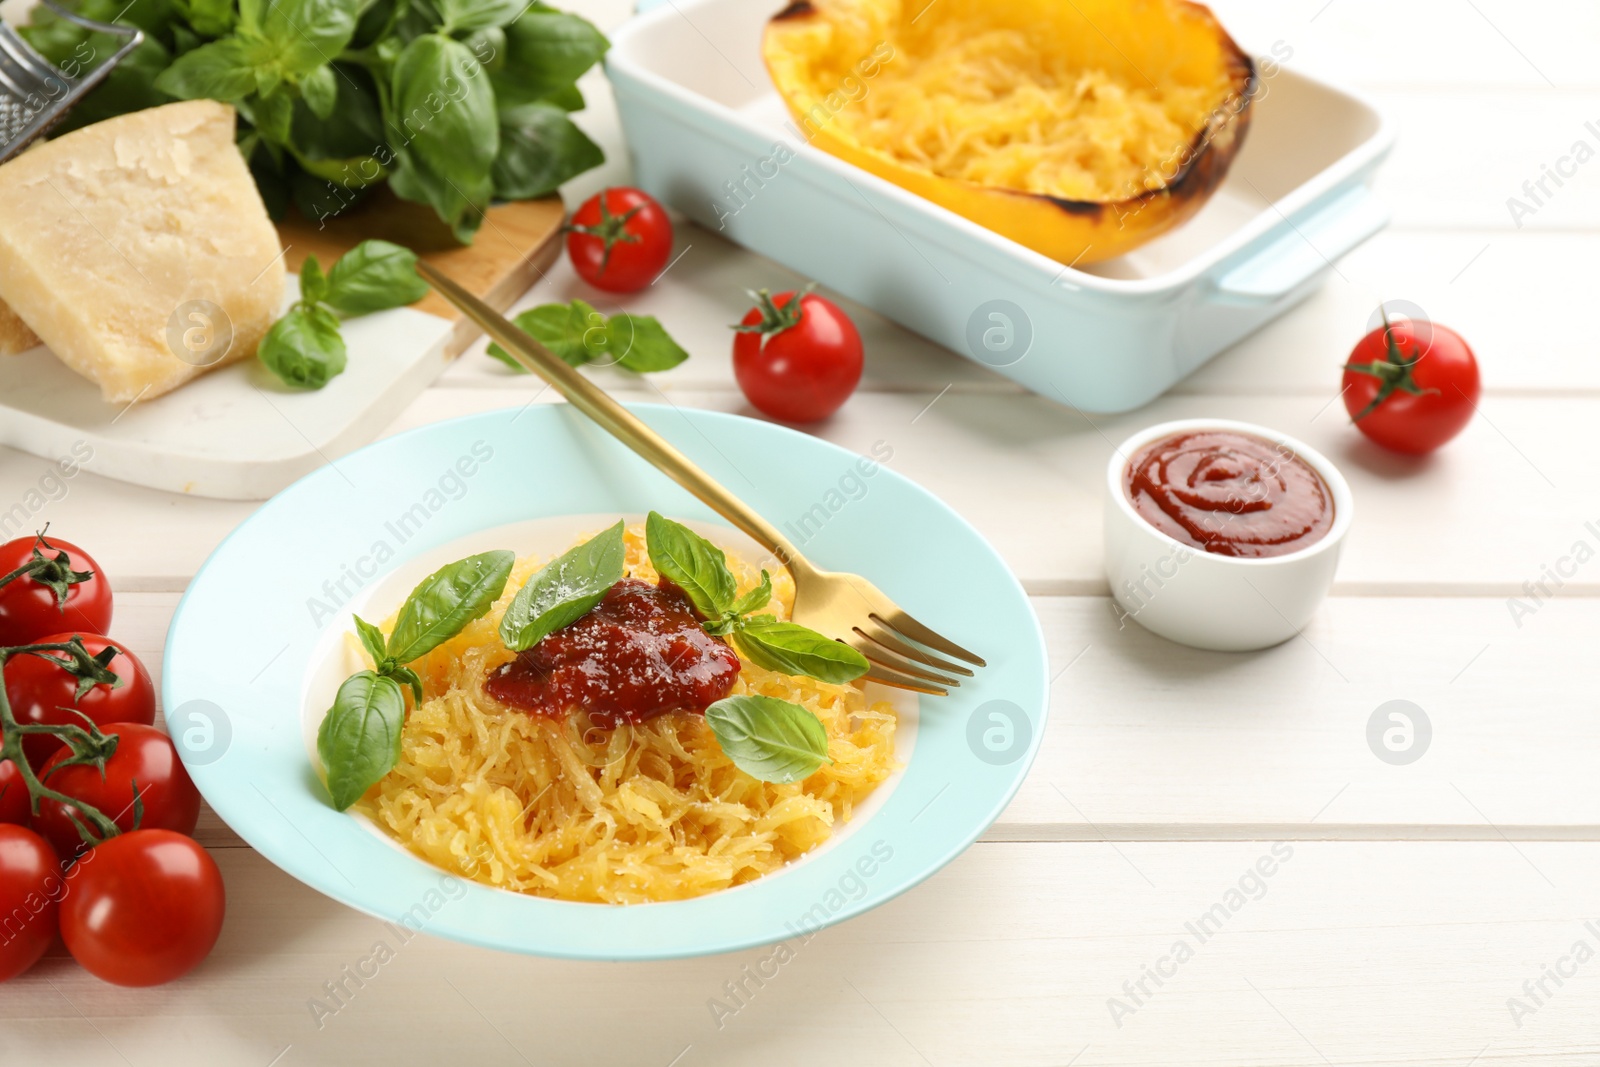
x: 611, y: 229
x: 775, y: 319
x: 87, y: 745
x: 1393, y: 371
x: 55, y: 573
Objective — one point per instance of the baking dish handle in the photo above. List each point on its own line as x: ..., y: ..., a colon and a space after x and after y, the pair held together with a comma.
x: 1309, y: 245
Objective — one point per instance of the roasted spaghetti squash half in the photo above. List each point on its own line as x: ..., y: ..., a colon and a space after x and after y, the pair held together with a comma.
x: 1079, y: 128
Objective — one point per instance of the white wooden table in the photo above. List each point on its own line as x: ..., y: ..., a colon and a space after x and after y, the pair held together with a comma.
x: 1415, y: 901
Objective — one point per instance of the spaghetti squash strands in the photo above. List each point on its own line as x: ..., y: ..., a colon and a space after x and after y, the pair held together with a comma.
x: 524, y: 803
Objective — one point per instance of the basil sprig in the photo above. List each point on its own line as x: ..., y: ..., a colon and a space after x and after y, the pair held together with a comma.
x: 700, y: 569
x: 754, y: 600
x: 564, y: 590
x: 768, y: 738
x: 305, y: 348
x: 359, y: 739
x: 579, y: 334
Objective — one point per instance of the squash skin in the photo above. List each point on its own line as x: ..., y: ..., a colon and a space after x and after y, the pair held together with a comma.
x: 1069, y: 231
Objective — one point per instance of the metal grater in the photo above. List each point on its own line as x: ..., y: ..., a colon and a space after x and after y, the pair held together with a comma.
x: 34, y: 95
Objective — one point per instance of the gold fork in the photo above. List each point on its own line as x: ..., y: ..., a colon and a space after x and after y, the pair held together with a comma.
x: 845, y: 607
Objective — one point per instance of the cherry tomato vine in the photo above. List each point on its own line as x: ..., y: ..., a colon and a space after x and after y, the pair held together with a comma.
x: 88, y: 744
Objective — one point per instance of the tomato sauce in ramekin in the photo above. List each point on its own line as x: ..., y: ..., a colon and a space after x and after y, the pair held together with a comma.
x: 1229, y: 493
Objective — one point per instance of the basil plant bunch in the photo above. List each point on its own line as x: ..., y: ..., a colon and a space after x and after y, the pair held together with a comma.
x: 451, y: 103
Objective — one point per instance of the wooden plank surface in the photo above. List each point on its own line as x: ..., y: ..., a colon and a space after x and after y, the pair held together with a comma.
x: 1383, y: 954
x: 1508, y: 498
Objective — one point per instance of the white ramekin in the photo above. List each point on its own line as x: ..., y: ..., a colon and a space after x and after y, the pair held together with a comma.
x: 1196, y: 598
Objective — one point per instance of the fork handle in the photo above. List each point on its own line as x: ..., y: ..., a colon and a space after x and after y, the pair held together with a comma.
x: 615, y: 419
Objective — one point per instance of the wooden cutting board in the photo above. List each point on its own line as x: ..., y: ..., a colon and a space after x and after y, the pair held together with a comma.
x: 515, y: 245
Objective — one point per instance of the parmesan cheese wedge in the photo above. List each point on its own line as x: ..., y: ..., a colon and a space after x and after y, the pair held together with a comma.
x: 138, y: 249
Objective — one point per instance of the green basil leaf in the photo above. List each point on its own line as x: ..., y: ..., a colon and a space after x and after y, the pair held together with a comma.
x: 575, y: 332
x: 546, y: 51
x: 372, y: 276
x: 721, y: 627
x: 540, y: 148
x: 353, y: 133
x: 794, y: 649
x: 313, y: 283
x: 755, y: 599
x: 443, y: 112
x: 565, y: 590
x: 567, y: 98
x: 463, y: 15
x: 447, y: 600
x: 372, y: 640
x: 639, y: 343
x: 359, y: 740
x: 223, y: 70
x: 210, y: 18
x: 305, y: 34
x: 769, y: 739
x: 376, y: 22
x: 268, y: 79
x: 691, y: 563
x: 185, y: 40
x: 304, y: 348
x: 460, y: 209
x: 320, y: 91
x: 416, y: 18
x: 273, y: 114
x: 489, y: 45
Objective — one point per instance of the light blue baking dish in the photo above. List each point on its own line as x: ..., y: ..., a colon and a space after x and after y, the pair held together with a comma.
x: 710, y: 137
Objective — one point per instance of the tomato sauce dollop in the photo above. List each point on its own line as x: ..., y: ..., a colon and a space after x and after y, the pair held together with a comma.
x: 640, y: 653
x: 1231, y: 494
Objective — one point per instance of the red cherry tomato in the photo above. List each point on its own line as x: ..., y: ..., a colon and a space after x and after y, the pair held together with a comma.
x: 1411, y: 385
x: 619, y: 240
x: 56, y: 595
x: 31, y: 887
x: 14, y: 806
x: 40, y: 691
x: 144, y: 908
x: 796, y: 363
x: 145, y: 756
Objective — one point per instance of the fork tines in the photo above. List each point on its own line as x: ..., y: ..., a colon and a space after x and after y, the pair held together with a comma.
x: 899, y: 663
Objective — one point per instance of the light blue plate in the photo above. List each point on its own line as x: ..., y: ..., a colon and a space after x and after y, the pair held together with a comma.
x: 252, y: 635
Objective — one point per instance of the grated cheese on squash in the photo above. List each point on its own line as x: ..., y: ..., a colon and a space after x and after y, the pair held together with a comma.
x: 648, y: 813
